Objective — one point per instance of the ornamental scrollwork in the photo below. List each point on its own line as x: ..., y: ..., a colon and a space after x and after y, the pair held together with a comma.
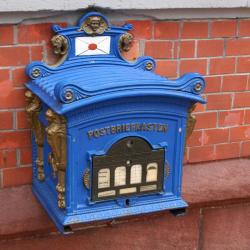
x: 56, y: 136
x: 33, y: 110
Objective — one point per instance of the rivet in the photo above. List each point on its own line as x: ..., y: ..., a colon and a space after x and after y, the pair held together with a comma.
x: 36, y: 72
x: 149, y: 66
x: 68, y: 95
x: 197, y: 87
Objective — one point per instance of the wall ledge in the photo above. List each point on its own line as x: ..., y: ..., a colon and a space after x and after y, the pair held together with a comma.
x: 67, y: 5
x: 204, y: 185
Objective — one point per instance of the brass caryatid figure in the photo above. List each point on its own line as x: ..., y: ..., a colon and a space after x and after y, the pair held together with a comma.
x: 191, y: 120
x: 33, y: 109
x: 56, y: 136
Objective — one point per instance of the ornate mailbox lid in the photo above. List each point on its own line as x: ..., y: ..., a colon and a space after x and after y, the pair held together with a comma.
x: 92, y: 69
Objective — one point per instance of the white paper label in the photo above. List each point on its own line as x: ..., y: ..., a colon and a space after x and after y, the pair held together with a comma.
x: 104, y: 178
x: 120, y: 176
x: 106, y: 193
x: 86, y: 46
x: 152, y: 171
x: 135, y: 174
x: 148, y: 188
x: 128, y: 190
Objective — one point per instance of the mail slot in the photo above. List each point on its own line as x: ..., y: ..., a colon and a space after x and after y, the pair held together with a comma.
x: 108, y: 134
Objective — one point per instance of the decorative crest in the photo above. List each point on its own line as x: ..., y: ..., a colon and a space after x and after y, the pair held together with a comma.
x: 94, y: 25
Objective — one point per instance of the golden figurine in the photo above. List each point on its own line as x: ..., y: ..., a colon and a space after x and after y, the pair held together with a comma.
x: 191, y: 120
x: 33, y: 109
x: 94, y: 25
x: 56, y: 136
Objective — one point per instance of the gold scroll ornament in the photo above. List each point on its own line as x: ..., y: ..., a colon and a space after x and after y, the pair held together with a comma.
x: 191, y: 120
x: 56, y: 136
x: 33, y: 109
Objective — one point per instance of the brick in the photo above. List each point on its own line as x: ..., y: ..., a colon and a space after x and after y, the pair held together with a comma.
x: 36, y: 53
x: 200, y: 107
x: 166, y: 30
x: 210, y: 48
x: 11, y: 98
x: 231, y: 118
x: 34, y: 33
x: 133, y: 53
x: 242, y: 100
x: 51, y: 58
x: 187, y: 49
x: 167, y: 68
x: 4, y: 76
x: 196, y: 65
x: 247, y: 116
x: 194, y: 139
x: 222, y: 66
x: 7, y: 34
x: 225, y: 28
x: 206, y: 120
x: 201, y: 154
x: 14, y: 56
x: 226, y: 228
x: 236, y: 47
x: 6, y: 120
x: 159, y: 50
x: 213, y: 84
x: 194, y: 30
x: 17, y: 176
x: 243, y: 65
x: 142, y: 29
x: 25, y: 156
x: 222, y: 101
x: 227, y: 151
x: 244, y: 28
x: 240, y: 133
x: 8, y: 158
x: 15, y: 139
x: 234, y: 83
x: 22, y: 121
x: 215, y: 136
x: 245, y: 149
x: 19, y: 78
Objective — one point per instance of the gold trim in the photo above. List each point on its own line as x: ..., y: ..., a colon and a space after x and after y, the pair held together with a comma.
x: 33, y: 110
x: 191, y: 120
x: 94, y: 25
x: 56, y: 136
x: 125, y: 42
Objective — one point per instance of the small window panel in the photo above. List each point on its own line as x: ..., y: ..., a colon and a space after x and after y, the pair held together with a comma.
x: 104, y: 178
x: 120, y: 176
x: 87, y: 46
x: 152, y: 171
x: 136, y: 174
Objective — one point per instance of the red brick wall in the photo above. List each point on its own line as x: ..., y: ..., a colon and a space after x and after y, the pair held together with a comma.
x: 218, y: 49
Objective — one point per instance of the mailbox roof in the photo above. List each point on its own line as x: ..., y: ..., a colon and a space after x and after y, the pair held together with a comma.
x: 86, y: 76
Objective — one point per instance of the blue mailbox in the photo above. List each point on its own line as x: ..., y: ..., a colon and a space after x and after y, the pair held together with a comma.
x: 108, y: 134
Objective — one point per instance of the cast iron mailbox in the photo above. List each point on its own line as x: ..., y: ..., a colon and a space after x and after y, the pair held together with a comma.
x: 108, y: 134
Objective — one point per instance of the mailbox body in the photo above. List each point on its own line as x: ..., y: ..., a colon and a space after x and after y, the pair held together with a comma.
x: 113, y: 131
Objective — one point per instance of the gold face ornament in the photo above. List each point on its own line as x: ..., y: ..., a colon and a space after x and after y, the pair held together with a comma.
x: 94, y: 25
